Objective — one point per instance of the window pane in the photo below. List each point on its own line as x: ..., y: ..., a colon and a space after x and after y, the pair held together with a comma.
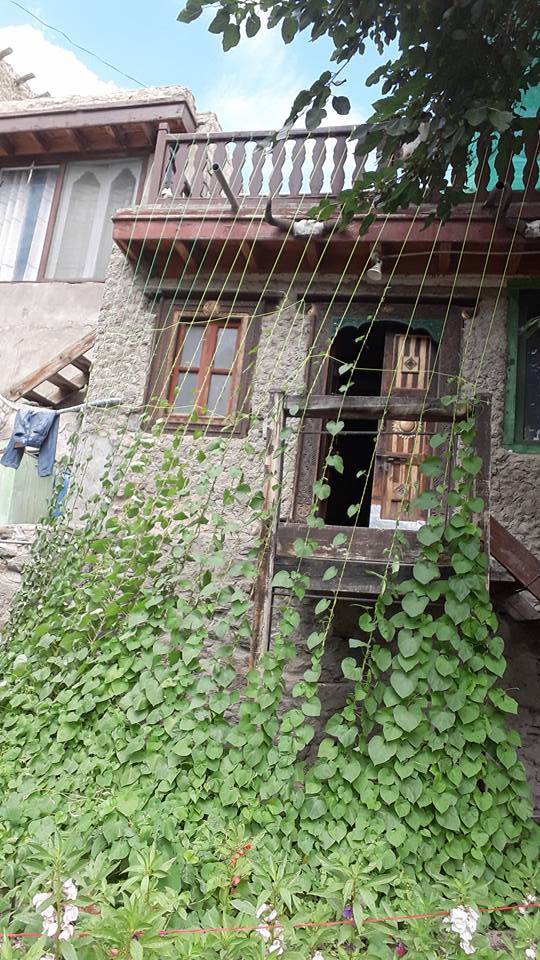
x: 25, y: 206
x: 219, y: 394
x: 226, y: 348
x: 185, y: 392
x: 91, y: 193
x: 192, y: 347
x: 80, y: 215
x: 531, y: 412
x: 121, y: 194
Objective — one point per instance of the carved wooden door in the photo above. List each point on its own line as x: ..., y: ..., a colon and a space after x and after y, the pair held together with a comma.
x: 402, y: 444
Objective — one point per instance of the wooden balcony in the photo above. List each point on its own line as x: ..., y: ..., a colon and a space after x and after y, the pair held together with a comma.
x: 204, y: 207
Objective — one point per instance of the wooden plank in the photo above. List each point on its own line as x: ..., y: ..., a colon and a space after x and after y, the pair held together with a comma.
x: 63, y: 384
x: 362, y: 544
x: 82, y: 363
x: 353, y: 578
x: 373, y: 408
x: 515, y: 557
x: 27, y: 384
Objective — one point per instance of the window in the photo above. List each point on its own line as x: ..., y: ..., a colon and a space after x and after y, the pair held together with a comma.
x: 522, y: 424
x: 203, y: 380
x: 25, y: 205
x: 82, y: 237
x: 90, y: 193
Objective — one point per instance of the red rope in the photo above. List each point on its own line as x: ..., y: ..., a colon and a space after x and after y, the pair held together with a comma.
x: 303, y: 924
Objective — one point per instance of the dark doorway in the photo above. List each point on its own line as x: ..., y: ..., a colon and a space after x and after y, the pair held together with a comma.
x: 372, y: 361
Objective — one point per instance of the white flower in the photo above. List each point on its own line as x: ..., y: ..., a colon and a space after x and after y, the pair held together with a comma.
x: 50, y: 927
x: 70, y: 914
x: 262, y: 909
x: 277, y: 947
x: 41, y: 898
x: 464, y: 921
x: 66, y: 932
x: 264, y: 932
x: 530, y: 952
x: 317, y: 955
x: 48, y: 956
x: 70, y: 890
x: 271, y: 916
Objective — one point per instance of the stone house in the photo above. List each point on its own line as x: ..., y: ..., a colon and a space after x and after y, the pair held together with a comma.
x: 240, y: 316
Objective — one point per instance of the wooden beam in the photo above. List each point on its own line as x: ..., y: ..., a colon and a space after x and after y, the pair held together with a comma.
x: 7, y: 145
x: 149, y: 133
x: 24, y: 78
x: 27, y: 384
x: 353, y: 578
x: 79, y: 138
x: 248, y: 254
x: 373, y: 408
x: 63, y: 384
x: 41, y: 141
x: 186, y: 254
x: 93, y: 115
x: 361, y: 543
x: 34, y: 397
x: 120, y: 134
x: 515, y: 557
x: 82, y: 363
x: 445, y: 254
x: 311, y: 254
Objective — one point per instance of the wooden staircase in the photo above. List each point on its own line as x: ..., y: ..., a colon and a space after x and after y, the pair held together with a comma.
x: 514, y: 557
x: 59, y: 380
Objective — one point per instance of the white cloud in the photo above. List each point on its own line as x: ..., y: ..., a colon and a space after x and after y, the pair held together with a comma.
x: 259, y: 84
x: 57, y: 70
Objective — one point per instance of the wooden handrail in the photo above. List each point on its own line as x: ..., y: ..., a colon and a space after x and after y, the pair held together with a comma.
x: 373, y: 408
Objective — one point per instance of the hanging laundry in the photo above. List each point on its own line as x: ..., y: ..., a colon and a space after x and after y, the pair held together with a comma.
x: 37, y: 429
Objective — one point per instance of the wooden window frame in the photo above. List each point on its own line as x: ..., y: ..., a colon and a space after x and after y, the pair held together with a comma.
x: 171, y: 322
x: 205, y: 369
x: 513, y: 412
x: 61, y: 163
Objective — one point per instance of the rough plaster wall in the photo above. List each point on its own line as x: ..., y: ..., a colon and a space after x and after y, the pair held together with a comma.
x: 515, y: 477
x: 39, y: 320
x: 9, y: 89
x: 522, y: 681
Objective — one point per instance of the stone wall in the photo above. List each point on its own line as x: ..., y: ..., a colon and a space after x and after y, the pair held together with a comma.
x: 15, y: 543
x: 515, y: 477
x: 9, y: 88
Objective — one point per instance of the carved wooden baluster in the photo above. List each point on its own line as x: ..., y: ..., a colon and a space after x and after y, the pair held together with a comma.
x: 337, y: 180
x: 296, y: 178
x: 199, y: 169
x: 482, y: 173
x: 176, y: 175
x: 504, y: 161
x: 359, y: 162
x: 218, y: 155
x: 530, y: 171
x: 318, y: 157
x: 237, y: 166
x: 256, y: 178
x: 276, y: 177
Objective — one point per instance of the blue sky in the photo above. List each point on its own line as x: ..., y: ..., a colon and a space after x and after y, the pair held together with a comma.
x: 250, y: 87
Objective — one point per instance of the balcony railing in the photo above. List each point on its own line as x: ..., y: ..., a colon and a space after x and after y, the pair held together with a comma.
x: 305, y: 164
x: 311, y: 164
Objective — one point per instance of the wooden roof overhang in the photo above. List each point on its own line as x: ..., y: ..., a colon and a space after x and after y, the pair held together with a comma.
x: 198, y: 237
x: 85, y: 129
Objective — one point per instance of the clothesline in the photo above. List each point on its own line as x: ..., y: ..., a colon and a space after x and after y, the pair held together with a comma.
x: 109, y: 402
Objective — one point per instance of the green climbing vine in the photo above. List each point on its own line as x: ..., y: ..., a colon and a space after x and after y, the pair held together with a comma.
x: 179, y: 789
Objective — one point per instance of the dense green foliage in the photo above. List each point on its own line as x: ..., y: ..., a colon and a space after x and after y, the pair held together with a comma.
x: 128, y: 730
x: 457, y: 68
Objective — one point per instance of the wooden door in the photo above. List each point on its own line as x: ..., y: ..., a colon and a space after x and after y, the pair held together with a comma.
x: 402, y: 444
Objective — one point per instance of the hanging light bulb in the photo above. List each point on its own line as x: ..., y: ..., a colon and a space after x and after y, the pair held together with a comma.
x: 374, y: 271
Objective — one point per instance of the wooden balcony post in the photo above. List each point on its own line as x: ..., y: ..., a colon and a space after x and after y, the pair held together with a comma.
x: 483, y: 450
x: 158, y: 164
x: 273, y: 480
